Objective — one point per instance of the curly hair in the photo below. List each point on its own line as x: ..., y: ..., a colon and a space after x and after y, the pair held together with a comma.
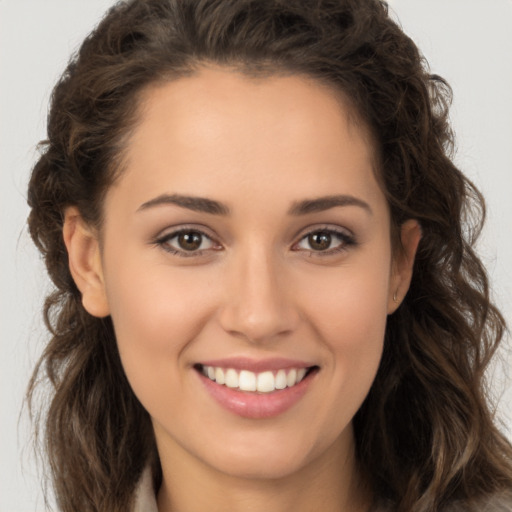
x: 425, y: 434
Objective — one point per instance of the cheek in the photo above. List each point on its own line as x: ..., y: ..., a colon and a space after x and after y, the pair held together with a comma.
x: 153, y: 304
x: 350, y: 304
x: 156, y: 315
x: 353, y: 329
x: 349, y: 315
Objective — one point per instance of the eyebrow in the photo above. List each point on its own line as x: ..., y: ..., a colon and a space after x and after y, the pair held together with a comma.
x: 325, y: 203
x: 197, y: 204
x: 205, y: 205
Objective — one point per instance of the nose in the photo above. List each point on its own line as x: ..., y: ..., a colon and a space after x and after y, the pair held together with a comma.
x: 258, y: 304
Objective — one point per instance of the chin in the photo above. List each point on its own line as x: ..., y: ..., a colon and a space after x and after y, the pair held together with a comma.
x: 278, y: 454
x: 262, y: 466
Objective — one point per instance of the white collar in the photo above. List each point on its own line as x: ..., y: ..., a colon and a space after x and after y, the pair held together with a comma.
x: 145, y: 500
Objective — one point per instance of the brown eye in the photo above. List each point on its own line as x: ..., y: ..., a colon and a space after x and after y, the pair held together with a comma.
x: 320, y: 241
x: 325, y: 241
x: 190, y: 240
x: 187, y: 243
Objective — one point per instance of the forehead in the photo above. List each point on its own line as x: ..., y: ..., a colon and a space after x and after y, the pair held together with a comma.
x: 218, y: 129
x: 214, y: 93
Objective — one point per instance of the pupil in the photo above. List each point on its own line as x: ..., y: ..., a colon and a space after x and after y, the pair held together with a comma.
x: 320, y: 241
x: 189, y: 241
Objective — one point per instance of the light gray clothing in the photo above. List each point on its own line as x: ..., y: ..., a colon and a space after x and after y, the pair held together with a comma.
x: 145, y: 500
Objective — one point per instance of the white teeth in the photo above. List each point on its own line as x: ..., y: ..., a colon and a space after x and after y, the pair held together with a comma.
x: 281, y: 379
x: 291, y: 378
x: 245, y: 380
x: 219, y: 376
x: 266, y: 382
x: 231, y: 378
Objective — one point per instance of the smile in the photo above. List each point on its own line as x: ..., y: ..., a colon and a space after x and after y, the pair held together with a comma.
x: 266, y: 390
x: 262, y: 382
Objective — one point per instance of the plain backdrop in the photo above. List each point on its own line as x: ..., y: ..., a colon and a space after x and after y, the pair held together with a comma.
x: 469, y: 42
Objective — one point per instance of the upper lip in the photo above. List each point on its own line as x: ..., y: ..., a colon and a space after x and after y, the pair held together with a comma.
x: 256, y: 365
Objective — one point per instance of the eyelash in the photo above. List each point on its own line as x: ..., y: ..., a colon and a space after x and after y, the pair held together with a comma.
x: 346, y: 240
x: 164, y: 240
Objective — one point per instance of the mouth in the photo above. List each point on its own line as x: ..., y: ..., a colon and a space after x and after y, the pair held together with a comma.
x: 257, y: 389
x: 264, y: 382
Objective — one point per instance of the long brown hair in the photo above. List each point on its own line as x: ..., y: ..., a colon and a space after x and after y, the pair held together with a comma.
x: 425, y: 434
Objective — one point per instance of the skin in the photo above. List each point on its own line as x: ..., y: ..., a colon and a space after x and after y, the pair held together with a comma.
x: 257, y: 289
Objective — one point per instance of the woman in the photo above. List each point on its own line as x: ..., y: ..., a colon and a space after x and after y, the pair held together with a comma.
x: 267, y: 295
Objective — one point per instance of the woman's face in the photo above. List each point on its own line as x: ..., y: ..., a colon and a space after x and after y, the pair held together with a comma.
x: 248, y: 242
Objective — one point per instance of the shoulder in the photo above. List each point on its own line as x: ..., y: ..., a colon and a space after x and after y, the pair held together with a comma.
x: 496, y: 503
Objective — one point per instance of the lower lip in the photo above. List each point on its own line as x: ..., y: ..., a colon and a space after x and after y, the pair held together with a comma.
x: 257, y: 405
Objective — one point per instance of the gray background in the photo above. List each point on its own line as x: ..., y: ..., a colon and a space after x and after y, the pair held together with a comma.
x: 469, y: 42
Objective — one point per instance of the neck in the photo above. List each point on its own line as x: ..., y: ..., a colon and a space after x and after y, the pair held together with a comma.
x: 331, y: 483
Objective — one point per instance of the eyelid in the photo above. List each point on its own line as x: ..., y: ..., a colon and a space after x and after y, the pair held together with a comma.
x: 180, y: 228
x: 347, y: 236
x: 169, y: 233
x: 332, y: 228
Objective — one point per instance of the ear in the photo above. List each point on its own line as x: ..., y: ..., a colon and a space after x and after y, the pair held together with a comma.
x: 403, y: 262
x: 85, y: 265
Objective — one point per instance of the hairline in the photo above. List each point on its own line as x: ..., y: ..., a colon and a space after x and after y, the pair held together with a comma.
x: 253, y: 69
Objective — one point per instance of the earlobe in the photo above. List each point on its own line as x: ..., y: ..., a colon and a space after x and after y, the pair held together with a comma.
x: 85, y: 262
x: 403, y: 263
